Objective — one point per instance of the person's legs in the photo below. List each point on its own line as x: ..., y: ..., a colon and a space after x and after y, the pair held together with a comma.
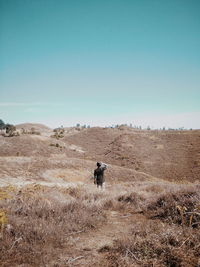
x: 100, y: 185
x: 99, y: 182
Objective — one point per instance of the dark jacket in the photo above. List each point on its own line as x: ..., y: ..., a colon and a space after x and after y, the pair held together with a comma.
x: 99, y: 175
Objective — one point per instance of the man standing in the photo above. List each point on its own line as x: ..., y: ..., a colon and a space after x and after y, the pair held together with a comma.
x: 99, y: 174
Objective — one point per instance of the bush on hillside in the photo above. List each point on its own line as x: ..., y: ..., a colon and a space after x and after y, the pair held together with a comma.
x: 180, y: 208
x: 10, y: 131
x: 58, y: 133
x: 31, y: 131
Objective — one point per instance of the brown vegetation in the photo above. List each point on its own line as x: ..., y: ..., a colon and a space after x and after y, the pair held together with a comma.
x: 38, y: 225
x: 151, y: 242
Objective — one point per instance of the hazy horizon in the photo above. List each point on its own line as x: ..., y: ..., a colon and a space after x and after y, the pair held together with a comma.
x: 100, y: 62
x: 154, y: 122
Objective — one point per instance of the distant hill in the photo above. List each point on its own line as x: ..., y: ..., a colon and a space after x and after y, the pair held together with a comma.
x: 37, y: 126
x: 168, y: 155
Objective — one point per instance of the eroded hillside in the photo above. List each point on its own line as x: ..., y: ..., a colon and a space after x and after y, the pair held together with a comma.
x: 170, y: 155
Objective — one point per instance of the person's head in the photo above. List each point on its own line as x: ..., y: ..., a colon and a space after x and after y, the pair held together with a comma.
x: 98, y: 164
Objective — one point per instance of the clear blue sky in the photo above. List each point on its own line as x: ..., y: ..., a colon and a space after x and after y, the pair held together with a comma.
x: 100, y: 61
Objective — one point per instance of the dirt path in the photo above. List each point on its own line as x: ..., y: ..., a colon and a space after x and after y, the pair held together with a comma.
x: 89, y: 247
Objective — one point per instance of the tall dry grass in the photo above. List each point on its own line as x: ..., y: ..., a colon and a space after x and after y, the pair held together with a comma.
x: 41, y: 222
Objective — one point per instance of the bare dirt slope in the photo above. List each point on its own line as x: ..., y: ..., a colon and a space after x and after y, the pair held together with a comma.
x: 170, y: 155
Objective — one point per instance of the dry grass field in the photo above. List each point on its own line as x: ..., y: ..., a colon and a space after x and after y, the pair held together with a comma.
x: 51, y: 213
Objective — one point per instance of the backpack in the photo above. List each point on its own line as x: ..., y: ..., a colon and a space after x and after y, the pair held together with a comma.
x: 103, y: 166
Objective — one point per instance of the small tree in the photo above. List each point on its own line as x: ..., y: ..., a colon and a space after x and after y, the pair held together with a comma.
x: 2, y: 125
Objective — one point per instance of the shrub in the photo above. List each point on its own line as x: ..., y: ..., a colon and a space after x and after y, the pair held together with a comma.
x: 133, y: 198
x: 56, y: 145
x: 180, y: 207
x: 58, y: 133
